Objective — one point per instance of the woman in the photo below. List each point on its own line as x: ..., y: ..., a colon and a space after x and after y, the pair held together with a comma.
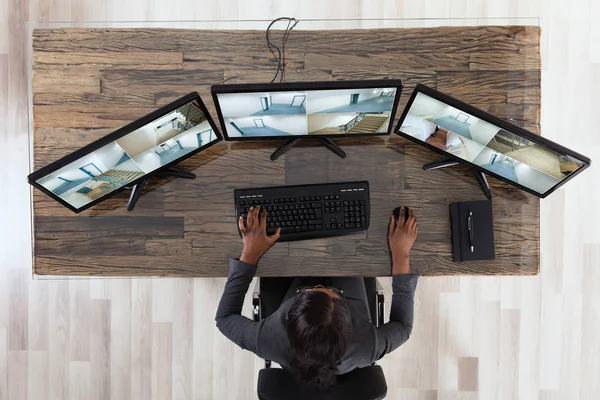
x: 319, y: 331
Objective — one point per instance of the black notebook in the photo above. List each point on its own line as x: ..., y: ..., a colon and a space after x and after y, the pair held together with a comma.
x: 472, y: 225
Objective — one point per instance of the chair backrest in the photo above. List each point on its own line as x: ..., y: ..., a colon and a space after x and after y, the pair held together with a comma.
x: 366, y: 383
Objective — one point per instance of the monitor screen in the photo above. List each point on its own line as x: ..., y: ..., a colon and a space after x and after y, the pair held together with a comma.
x: 131, y: 155
x: 507, y: 152
x: 336, y: 111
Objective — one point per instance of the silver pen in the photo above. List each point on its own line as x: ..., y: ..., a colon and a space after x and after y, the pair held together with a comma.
x: 471, y: 233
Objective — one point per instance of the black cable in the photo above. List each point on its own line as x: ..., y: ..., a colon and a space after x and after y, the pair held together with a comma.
x: 281, y: 77
x: 285, y: 38
x: 270, y: 45
x: 280, y: 57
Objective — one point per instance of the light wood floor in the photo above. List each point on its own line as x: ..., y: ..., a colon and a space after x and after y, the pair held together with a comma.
x: 486, y: 338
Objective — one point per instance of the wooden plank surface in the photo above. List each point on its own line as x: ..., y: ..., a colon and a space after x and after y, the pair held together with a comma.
x: 88, y: 82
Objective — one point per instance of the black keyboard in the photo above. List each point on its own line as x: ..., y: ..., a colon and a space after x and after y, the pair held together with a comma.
x: 309, y: 211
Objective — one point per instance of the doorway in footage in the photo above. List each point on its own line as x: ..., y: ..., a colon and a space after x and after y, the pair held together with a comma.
x: 77, y: 185
x: 131, y: 157
x: 168, y: 138
x: 263, y: 114
x: 486, y: 145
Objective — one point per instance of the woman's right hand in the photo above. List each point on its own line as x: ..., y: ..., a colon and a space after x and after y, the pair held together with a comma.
x: 401, y: 237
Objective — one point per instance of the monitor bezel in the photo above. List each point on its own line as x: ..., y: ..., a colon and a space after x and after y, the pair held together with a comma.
x: 420, y: 88
x: 305, y: 86
x: 33, y: 177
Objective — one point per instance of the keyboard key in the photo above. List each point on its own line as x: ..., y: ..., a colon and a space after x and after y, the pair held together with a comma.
x: 327, y: 226
x: 315, y: 222
x: 287, y: 229
x: 350, y: 225
x: 340, y: 226
x: 338, y: 209
x: 318, y: 197
x: 298, y: 229
x: 242, y: 203
x: 318, y: 214
x: 304, y: 228
x: 326, y: 198
x: 337, y: 196
x: 316, y: 205
x: 276, y: 201
x: 333, y: 221
x: 318, y: 227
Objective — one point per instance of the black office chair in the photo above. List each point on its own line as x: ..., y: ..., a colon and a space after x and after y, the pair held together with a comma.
x: 366, y: 383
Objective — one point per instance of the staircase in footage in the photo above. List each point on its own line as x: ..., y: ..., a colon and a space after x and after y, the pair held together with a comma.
x: 369, y: 124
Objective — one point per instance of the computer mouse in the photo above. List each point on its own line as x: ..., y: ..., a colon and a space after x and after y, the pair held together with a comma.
x: 396, y: 213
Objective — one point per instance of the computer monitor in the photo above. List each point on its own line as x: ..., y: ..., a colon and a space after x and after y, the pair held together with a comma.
x: 127, y: 157
x: 488, y: 144
x: 300, y: 110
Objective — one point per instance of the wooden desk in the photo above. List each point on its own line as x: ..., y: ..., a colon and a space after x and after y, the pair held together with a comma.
x: 88, y: 82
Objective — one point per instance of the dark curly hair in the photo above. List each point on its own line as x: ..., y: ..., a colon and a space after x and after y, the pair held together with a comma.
x: 319, y: 330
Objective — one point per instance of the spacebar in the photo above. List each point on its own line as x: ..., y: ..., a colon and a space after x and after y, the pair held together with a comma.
x: 284, y: 230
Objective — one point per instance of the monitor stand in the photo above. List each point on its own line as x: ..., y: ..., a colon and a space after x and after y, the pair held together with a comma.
x: 291, y: 142
x: 136, y: 190
x: 447, y: 162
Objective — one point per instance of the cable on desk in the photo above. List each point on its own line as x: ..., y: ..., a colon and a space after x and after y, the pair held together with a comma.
x: 280, y: 56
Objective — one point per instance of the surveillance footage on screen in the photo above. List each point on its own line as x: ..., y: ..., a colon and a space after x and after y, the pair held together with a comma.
x: 486, y: 145
x: 132, y: 156
x: 312, y: 112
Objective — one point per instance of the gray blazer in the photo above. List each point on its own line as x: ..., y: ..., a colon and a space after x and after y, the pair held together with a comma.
x: 268, y: 338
